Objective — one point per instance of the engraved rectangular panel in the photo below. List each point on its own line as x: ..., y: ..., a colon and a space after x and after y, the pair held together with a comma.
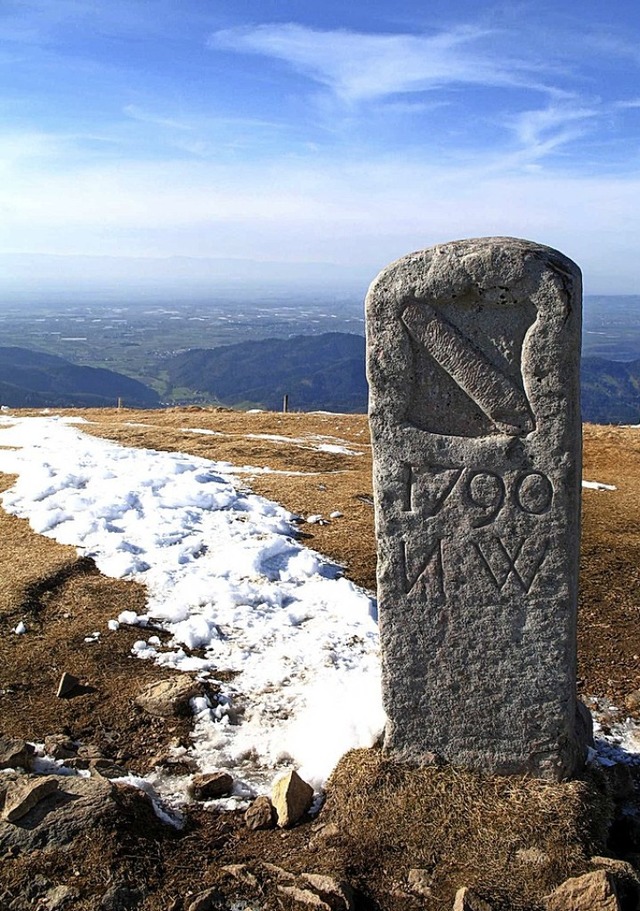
x: 473, y: 365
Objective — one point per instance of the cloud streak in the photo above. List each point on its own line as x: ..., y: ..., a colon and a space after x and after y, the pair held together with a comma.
x: 361, y: 67
x: 544, y: 130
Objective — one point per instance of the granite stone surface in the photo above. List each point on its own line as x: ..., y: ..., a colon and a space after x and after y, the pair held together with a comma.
x: 473, y: 351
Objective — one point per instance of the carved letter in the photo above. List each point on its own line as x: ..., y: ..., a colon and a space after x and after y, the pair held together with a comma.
x: 500, y: 563
x: 430, y: 566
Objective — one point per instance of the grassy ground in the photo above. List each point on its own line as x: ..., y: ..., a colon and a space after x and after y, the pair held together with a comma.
x: 513, y: 839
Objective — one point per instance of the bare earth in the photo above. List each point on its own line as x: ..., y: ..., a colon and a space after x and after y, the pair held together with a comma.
x: 64, y: 598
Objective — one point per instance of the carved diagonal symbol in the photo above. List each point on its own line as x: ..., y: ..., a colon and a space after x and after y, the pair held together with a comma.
x: 494, y: 392
x: 500, y: 563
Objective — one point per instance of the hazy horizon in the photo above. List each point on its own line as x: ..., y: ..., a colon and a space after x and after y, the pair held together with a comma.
x: 28, y: 279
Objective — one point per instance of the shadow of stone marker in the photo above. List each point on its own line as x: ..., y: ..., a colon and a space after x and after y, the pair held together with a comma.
x: 473, y: 352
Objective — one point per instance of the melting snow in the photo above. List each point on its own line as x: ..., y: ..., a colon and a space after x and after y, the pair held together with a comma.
x: 225, y: 576
x: 314, y: 442
x: 598, y: 485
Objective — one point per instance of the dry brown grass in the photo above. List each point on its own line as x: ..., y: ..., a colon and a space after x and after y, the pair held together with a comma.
x: 24, y: 557
x: 609, y: 611
x: 511, y: 839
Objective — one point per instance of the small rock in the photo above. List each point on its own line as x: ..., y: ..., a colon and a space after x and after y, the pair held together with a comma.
x: 89, y: 751
x: 210, y: 786
x: 336, y: 894
x: 327, y: 836
x: 21, y: 798
x: 627, y: 881
x: 291, y: 798
x: 167, y: 698
x: 590, y: 892
x: 261, y: 814
x: 466, y: 900
x: 632, y: 701
x: 58, y: 897
x: 68, y: 683
x: 77, y: 762
x: 57, y: 821
x: 206, y: 901
x: 278, y: 872
x: 303, y: 898
x: 59, y: 746
x: 419, y: 881
x: 15, y: 753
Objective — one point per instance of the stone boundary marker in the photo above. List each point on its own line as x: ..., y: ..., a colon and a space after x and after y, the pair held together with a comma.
x: 473, y: 352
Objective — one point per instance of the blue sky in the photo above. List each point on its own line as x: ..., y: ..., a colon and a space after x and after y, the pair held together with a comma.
x: 320, y: 132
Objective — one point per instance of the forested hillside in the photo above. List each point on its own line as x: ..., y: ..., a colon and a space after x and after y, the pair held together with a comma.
x: 35, y: 379
x: 317, y: 372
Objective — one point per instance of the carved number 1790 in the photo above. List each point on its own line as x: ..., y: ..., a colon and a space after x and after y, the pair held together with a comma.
x: 530, y: 491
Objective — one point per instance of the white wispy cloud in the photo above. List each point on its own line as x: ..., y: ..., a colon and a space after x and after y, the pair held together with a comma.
x: 542, y: 130
x: 628, y: 105
x: 137, y: 113
x: 360, y: 67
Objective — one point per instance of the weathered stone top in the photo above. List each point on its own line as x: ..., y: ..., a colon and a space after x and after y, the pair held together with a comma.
x: 466, y: 339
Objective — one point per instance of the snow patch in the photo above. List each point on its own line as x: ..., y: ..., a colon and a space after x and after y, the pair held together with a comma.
x: 290, y: 645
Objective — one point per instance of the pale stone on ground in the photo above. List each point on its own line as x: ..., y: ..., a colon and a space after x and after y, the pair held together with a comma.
x: 242, y: 874
x: 14, y: 752
x: 59, y: 746
x: 473, y: 365
x: 322, y: 893
x: 625, y: 878
x: 58, y: 897
x: 336, y: 893
x: 166, y: 698
x: 591, y: 892
x: 20, y: 798
x: 73, y: 808
x: 291, y: 798
x: 466, y: 900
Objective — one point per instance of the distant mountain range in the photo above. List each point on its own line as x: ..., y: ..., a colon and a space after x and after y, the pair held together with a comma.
x: 317, y: 372
x: 610, y: 391
x: 32, y: 379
